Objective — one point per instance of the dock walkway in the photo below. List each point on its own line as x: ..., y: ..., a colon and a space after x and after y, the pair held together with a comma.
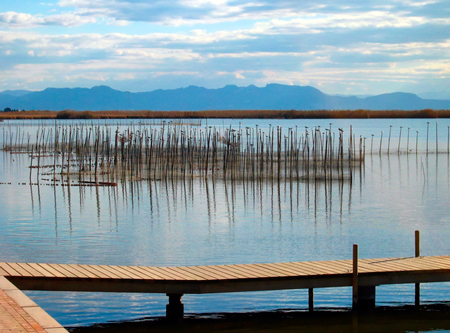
x: 363, y: 275
x: 19, y: 314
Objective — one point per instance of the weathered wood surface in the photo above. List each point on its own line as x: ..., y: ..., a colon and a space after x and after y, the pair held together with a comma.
x: 18, y: 313
x: 225, y: 278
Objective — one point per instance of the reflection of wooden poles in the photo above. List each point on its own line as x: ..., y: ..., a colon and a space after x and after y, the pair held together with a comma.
x: 437, y: 146
x: 389, y: 139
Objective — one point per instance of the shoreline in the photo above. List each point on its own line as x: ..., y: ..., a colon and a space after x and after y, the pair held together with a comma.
x: 227, y: 114
x: 383, y: 319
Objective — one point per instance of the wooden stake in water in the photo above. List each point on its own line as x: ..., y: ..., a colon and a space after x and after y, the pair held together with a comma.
x: 417, y: 140
x: 355, y: 276
x: 371, y: 145
x: 399, y: 140
x: 381, y: 141
x: 407, y: 143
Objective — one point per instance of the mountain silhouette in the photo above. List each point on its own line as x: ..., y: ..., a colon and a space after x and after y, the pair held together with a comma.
x: 193, y: 98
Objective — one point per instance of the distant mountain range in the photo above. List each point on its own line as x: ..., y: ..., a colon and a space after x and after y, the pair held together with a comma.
x: 193, y: 98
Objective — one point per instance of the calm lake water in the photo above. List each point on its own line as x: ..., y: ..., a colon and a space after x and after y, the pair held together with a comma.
x: 198, y: 222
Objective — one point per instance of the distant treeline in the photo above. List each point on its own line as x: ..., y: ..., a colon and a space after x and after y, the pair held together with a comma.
x: 238, y: 114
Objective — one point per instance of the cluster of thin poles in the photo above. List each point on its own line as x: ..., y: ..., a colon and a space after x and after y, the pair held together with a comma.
x: 178, y: 151
x: 412, y: 144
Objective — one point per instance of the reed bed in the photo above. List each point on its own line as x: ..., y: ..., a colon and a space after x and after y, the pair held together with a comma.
x: 237, y: 114
x: 103, y: 153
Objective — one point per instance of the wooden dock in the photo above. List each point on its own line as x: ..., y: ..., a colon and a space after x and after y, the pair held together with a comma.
x: 19, y: 314
x: 363, y: 275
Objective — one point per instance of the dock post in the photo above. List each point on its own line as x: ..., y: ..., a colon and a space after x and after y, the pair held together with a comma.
x: 311, y: 299
x: 355, y: 277
x: 175, y: 309
x: 417, y: 254
x: 366, y: 298
x: 363, y: 296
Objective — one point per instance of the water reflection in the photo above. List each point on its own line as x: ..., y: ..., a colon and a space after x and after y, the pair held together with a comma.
x: 274, y: 200
x: 215, y: 221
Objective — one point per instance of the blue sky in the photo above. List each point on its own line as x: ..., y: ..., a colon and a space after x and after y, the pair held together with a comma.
x: 340, y: 47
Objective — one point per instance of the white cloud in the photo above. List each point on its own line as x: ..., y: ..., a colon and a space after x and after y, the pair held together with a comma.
x: 290, y: 42
x: 23, y: 20
x: 180, y: 12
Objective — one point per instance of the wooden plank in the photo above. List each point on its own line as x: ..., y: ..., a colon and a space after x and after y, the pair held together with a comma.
x: 262, y: 271
x: 128, y: 273
x: 41, y: 270
x: 164, y: 275
x: 95, y: 271
x: 415, y: 264
x: 219, y: 273
x: 254, y: 273
x: 328, y: 268
x: 400, y: 265
x: 187, y: 273
x: 440, y: 263
x: 298, y: 271
x: 52, y: 270
x: 276, y: 270
x: 442, y: 257
x: 11, y: 271
x: 77, y: 269
x: 429, y: 264
x: 379, y: 266
x: 132, y: 270
x: 250, y: 273
x: 382, y: 267
x: 19, y: 269
x: 149, y: 272
x: 208, y: 273
x: 228, y: 270
x: 60, y: 268
x: 115, y: 271
x: 269, y: 270
x: 339, y: 266
x: 287, y: 269
x: 107, y: 274
x: 30, y: 270
x: 171, y: 273
x: 308, y: 268
x: 212, y: 273
x: 3, y: 272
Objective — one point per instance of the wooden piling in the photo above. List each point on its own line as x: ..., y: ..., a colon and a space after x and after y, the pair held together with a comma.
x: 311, y: 299
x: 355, y: 277
x: 417, y: 254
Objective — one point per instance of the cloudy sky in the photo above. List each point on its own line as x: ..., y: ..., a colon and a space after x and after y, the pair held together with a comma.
x: 339, y: 47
